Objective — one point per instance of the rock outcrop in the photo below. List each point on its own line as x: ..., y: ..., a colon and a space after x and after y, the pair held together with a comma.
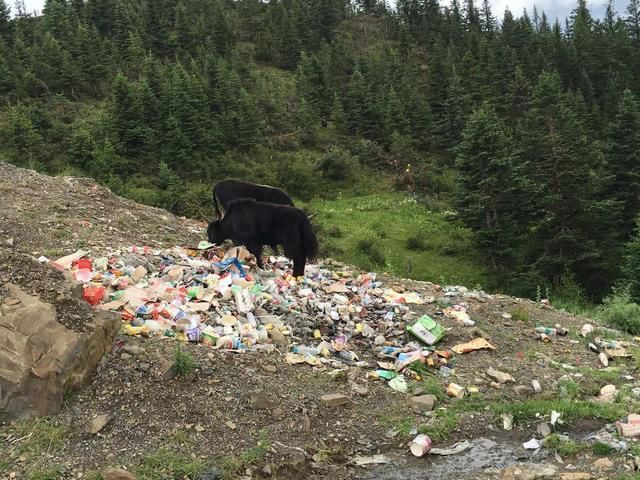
x: 40, y: 358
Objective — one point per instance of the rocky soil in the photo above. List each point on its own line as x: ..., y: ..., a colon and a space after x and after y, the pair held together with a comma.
x: 252, y: 415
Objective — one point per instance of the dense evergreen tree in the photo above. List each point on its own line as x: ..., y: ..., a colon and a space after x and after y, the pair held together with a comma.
x: 485, y: 166
x: 167, y: 93
x: 573, y: 226
x: 624, y: 159
x: 631, y: 266
x: 5, y: 24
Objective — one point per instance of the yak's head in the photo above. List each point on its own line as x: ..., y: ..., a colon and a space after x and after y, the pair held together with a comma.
x: 215, y: 232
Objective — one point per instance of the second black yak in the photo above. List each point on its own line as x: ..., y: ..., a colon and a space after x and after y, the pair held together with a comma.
x: 227, y: 191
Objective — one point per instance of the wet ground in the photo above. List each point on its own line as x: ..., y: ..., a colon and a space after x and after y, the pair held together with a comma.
x: 484, y: 459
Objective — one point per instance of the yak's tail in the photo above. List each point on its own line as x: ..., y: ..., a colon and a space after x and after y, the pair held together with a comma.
x: 215, y: 204
x: 309, y: 241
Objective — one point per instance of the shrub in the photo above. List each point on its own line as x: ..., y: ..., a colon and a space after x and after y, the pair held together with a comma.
x: 416, y: 243
x: 183, y: 362
x: 368, y: 151
x: 298, y: 176
x: 370, y: 249
x: 621, y: 312
x: 335, y: 232
x: 338, y: 165
x: 519, y: 314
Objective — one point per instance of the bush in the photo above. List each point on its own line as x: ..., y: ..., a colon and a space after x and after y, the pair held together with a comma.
x: 183, y: 362
x: 335, y: 232
x: 370, y: 249
x: 619, y: 311
x: 570, y: 296
x: 416, y: 243
x: 297, y: 175
x: 519, y: 314
x: 338, y: 165
x: 368, y: 151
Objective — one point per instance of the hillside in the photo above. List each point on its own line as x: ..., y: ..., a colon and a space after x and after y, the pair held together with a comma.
x: 255, y: 414
x: 527, y: 127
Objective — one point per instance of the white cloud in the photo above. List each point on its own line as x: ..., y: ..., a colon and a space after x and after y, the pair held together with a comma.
x: 553, y: 8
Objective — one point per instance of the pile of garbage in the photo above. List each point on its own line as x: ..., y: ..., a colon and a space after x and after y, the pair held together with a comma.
x: 219, y: 298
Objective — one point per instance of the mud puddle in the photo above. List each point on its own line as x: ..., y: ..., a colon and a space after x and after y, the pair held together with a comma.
x: 483, y: 460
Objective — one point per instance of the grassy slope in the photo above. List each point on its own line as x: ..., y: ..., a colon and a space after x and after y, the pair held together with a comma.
x: 388, y: 219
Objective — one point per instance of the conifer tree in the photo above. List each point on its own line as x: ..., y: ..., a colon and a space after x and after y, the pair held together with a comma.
x: 395, y: 117
x: 56, y: 14
x: 456, y: 109
x: 311, y: 85
x: 290, y: 46
x: 488, y: 21
x: 23, y: 138
x: 472, y: 15
x: 486, y: 180
x: 338, y: 118
x: 631, y: 265
x: 5, y: 25
x: 624, y: 159
x: 121, y: 25
x: 572, y: 223
x: 633, y: 21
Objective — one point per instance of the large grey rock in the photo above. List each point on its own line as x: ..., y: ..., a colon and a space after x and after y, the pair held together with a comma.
x: 423, y: 403
x: 40, y: 358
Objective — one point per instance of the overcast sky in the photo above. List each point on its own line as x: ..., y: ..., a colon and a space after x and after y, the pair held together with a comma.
x: 553, y: 8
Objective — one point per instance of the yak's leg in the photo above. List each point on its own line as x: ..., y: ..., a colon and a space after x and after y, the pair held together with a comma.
x: 293, y: 250
x: 256, y: 251
x: 298, y: 266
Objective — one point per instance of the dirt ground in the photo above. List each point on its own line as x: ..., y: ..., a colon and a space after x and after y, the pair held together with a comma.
x: 252, y: 415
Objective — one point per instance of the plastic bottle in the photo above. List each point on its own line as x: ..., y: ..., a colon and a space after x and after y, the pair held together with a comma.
x: 547, y: 330
x: 304, y: 350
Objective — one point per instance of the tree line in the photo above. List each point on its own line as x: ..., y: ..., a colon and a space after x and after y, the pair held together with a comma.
x: 530, y: 127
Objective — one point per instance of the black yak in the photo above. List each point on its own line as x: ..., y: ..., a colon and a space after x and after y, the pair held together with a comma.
x: 228, y: 190
x: 255, y: 224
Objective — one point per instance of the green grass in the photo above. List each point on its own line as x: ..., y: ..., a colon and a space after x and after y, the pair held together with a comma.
x: 570, y: 409
x: 443, y: 424
x: 519, y: 314
x: 327, y: 455
x: 569, y: 389
x: 37, y: 438
x: 565, y: 448
x: 165, y: 463
x: 602, y: 450
x: 234, y: 464
x: 401, y: 422
x: 93, y: 475
x: 41, y: 434
x: 183, y: 362
x: 433, y: 386
x: 50, y: 473
x: 607, y: 375
x: 394, y: 229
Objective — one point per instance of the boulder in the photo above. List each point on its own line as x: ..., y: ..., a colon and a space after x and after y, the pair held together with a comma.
x: 334, y: 399
x: 423, y: 403
x: 97, y: 424
x: 259, y: 401
x: 40, y: 358
x: 117, y: 474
